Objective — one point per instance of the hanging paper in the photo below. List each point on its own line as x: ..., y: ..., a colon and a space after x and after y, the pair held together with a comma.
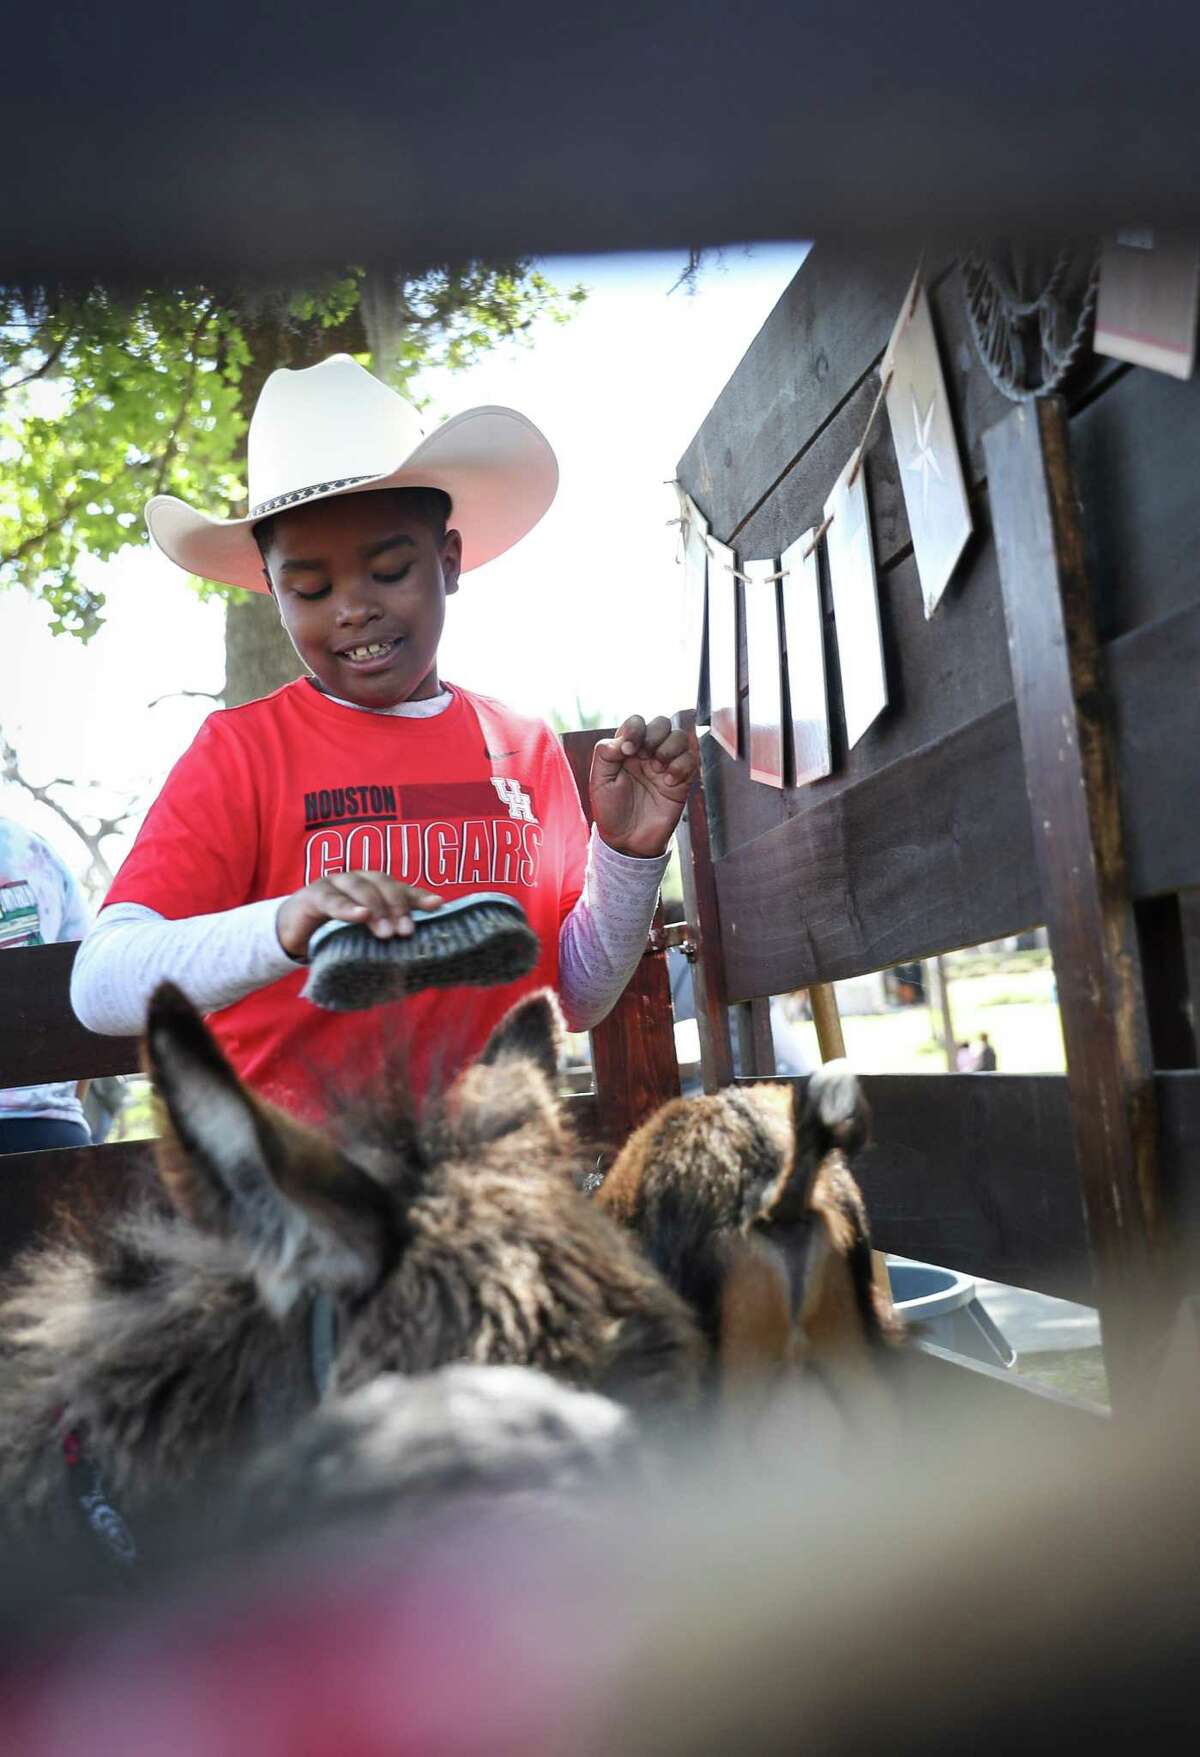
x: 804, y: 640
x: 764, y: 662
x: 855, y: 603
x: 722, y: 646
x: 1147, y: 300
x: 693, y: 531
x: 935, y: 495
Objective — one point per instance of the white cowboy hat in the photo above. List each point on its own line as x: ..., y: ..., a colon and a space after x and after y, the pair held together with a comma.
x: 335, y: 429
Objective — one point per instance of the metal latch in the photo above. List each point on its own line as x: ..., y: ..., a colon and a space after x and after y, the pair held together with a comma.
x: 677, y: 935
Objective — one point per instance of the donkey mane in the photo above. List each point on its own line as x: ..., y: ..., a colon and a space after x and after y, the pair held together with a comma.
x: 154, y: 1342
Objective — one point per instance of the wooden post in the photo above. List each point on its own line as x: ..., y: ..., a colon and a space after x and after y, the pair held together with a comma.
x: 700, y: 907
x: 823, y: 1000
x: 1189, y: 917
x: 633, y: 1050
x: 1071, y: 782
x: 756, y: 1045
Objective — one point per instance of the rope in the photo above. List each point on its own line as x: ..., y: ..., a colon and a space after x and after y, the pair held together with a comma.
x: 816, y: 536
x: 884, y: 384
x: 765, y: 579
x: 856, y: 466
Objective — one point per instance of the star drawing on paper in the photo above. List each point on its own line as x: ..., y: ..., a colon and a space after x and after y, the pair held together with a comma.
x: 924, y: 459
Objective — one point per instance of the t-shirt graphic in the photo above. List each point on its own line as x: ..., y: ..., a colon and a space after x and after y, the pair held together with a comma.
x: 282, y: 792
x: 19, y: 921
x: 481, y: 834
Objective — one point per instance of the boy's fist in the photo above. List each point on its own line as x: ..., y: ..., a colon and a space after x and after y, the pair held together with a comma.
x: 639, y: 785
x: 370, y: 899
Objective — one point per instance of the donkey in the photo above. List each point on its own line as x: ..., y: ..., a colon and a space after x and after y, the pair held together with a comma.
x: 205, y: 1325
x: 746, y: 1203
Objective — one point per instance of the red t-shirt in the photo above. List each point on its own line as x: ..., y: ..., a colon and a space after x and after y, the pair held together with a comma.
x: 276, y: 794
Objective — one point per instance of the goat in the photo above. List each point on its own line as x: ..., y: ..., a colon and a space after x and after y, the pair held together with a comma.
x: 746, y: 1203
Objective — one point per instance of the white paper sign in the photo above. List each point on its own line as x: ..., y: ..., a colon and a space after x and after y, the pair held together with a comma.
x: 693, y: 530
x: 935, y: 495
x: 722, y: 646
x: 804, y: 640
x: 855, y: 603
x: 764, y: 662
x: 1146, y: 301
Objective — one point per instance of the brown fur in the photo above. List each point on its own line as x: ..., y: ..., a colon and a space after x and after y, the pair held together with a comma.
x: 181, y: 1339
x: 738, y: 1195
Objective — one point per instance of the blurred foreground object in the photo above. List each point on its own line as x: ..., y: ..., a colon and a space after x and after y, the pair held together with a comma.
x: 1005, y: 1590
x: 205, y: 150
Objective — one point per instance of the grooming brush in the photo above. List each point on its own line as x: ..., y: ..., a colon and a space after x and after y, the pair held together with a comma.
x: 482, y: 941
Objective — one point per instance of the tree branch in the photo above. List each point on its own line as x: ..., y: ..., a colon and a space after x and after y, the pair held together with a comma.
x: 30, y: 543
x: 47, y: 365
x: 168, y: 455
x: 99, y: 870
x: 205, y: 695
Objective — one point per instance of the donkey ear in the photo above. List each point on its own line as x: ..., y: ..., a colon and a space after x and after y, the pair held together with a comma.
x: 511, y: 1086
x: 532, y: 1030
x: 235, y: 1166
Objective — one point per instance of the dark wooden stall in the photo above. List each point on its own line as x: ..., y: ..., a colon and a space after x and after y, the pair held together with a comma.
x: 1038, y: 763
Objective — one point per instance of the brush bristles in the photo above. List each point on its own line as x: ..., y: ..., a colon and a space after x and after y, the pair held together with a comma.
x: 483, y: 945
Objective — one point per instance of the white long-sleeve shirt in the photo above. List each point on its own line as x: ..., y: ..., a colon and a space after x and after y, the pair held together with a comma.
x: 219, y: 959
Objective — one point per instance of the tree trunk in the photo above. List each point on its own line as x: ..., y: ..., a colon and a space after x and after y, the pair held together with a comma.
x: 939, y: 996
x: 258, y: 655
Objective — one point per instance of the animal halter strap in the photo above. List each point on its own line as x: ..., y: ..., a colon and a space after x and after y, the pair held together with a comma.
x: 322, y: 1340
x: 85, y: 1485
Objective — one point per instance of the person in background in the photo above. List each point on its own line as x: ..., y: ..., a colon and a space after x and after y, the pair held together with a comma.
x: 964, y: 1060
x: 985, y: 1060
x: 106, y: 1099
x: 40, y: 904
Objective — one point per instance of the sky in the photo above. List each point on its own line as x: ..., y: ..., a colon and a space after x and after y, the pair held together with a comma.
x: 585, y: 609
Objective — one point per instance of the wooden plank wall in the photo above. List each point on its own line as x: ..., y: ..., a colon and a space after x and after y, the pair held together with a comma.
x: 937, y: 786
x: 40, y: 1037
x: 979, y: 1171
x: 920, y: 841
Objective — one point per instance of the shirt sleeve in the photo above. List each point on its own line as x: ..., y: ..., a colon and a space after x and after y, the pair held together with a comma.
x: 215, y: 959
x: 604, y: 935
x: 197, y: 851
x: 572, y: 827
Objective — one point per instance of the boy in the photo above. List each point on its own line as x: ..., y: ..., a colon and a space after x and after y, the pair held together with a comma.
x: 369, y: 788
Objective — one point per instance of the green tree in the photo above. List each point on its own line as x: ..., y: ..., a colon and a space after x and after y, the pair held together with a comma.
x: 109, y: 397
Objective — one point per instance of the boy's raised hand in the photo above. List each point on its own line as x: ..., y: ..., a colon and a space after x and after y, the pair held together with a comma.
x: 639, y: 785
x: 370, y: 899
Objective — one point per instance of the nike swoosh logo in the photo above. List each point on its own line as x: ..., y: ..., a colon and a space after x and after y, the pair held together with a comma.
x: 497, y: 756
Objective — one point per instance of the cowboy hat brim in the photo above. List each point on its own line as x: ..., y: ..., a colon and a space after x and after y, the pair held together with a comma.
x: 498, y: 469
